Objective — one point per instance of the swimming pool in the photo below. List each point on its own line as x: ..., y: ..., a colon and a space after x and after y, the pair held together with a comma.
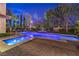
x: 17, y: 40
x: 29, y: 35
x: 52, y: 36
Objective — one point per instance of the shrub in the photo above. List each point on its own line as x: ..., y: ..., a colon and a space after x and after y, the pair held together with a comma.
x: 5, y: 34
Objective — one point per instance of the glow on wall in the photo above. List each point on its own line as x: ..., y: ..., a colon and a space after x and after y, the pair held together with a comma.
x: 2, y: 20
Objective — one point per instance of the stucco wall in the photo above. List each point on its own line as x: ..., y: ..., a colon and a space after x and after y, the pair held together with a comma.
x: 2, y: 20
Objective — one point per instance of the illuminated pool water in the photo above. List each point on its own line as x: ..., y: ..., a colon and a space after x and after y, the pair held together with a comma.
x: 16, y: 40
x: 29, y: 35
x: 52, y: 36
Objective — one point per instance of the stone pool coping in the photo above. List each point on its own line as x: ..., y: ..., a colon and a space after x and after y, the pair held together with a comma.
x: 4, y: 47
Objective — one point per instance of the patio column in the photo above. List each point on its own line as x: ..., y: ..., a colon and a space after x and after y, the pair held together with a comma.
x: 2, y: 19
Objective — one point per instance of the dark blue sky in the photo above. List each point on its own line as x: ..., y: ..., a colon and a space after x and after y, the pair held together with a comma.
x: 32, y: 8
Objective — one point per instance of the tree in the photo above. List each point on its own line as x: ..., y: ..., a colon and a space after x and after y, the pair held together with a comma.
x: 21, y: 21
x: 24, y: 23
x: 62, y: 13
x: 77, y: 27
x: 13, y: 17
x: 9, y: 13
x: 48, y: 17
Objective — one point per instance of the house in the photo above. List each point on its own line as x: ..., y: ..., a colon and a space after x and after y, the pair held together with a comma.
x: 3, y: 17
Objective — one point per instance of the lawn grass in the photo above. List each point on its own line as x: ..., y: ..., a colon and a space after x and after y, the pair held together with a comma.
x: 5, y: 34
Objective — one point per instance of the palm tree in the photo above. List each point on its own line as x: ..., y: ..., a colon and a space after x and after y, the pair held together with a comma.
x: 24, y: 24
x: 21, y: 21
x: 13, y: 17
x: 9, y: 13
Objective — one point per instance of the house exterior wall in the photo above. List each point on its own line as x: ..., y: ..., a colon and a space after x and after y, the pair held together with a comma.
x: 2, y: 20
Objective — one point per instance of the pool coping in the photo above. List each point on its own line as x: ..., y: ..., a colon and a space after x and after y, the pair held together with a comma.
x: 4, y: 47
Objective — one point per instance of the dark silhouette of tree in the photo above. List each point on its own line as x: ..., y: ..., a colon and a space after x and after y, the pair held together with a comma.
x: 62, y: 13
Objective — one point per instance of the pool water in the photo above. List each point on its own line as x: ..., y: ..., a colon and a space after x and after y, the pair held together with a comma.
x: 29, y: 35
x: 16, y: 40
x: 52, y: 36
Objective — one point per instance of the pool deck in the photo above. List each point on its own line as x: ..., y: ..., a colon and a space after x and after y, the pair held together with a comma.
x: 4, y: 47
x: 38, y: 47
x: 42, y: 47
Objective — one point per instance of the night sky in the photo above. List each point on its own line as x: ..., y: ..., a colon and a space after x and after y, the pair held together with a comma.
x: 34, y: 9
